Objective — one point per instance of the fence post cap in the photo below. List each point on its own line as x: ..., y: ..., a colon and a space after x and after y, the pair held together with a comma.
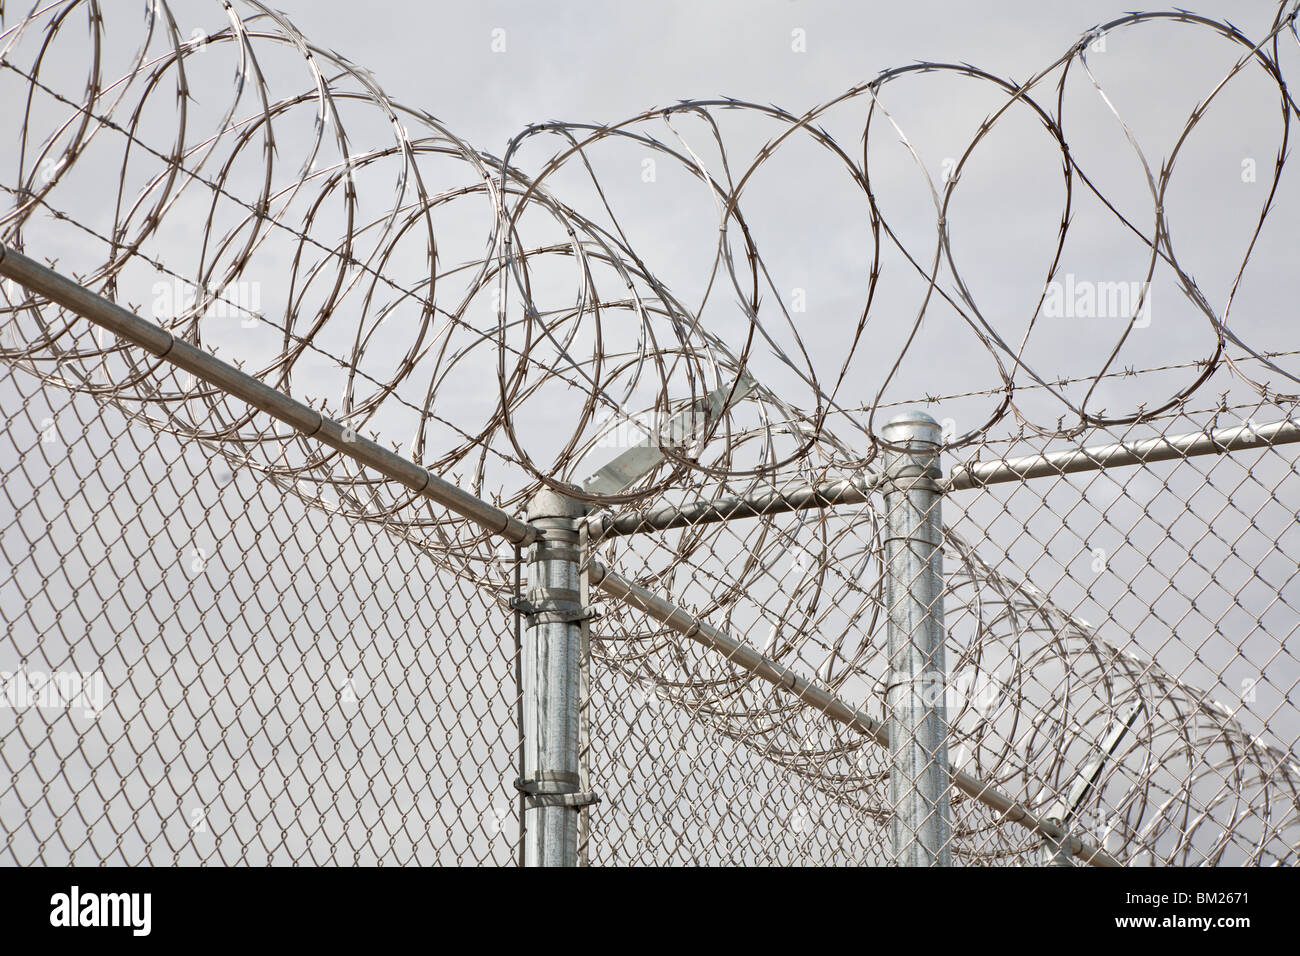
x: 910, y: 426
x: 548, y: 503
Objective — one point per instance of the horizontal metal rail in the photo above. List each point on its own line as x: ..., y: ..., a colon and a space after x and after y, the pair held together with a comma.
x: 306, y: 420
x: 801, y: 496
x: 310, y: 423
x: 796, y: 496
x: 750, y: 659
x: 1097, y: 457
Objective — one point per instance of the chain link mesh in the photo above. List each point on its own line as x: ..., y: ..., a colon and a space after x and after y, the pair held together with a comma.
x: 204, y: 667
x: 226, y: 644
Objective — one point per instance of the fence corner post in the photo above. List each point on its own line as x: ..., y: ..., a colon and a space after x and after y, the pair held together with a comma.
x: 917, y: 680
x: 553, y: 611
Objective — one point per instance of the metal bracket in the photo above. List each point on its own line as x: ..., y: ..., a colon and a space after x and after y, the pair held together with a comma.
x: 553, y: 612
x: 574, y: 800
x: 1066, y: 810
x: 892, y: 486
x: 910, y: 478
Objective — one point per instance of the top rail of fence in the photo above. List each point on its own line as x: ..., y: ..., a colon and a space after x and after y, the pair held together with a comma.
x: 303, y: 418
x: 801, y: 496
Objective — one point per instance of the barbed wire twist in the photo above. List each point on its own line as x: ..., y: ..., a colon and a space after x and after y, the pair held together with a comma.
x: 430, y: 291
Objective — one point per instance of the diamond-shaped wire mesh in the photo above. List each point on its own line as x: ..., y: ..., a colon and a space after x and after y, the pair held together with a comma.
x: 1145, y: 612
x: 227, y: 643
x: 1153, y: 603
x: 201, y: 667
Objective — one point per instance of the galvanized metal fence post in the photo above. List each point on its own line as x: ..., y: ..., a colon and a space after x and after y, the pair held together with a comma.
x: 917, y: 680
x: 553, y: 608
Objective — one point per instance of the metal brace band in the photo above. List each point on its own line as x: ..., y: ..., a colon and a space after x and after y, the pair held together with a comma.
x: 553, y: 612
x: 573, y: 799
x: 533, y: 784
x: 893, y: 484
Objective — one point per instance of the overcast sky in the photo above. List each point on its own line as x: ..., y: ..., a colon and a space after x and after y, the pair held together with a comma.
x: 488, y: 70
x: 603, y: 62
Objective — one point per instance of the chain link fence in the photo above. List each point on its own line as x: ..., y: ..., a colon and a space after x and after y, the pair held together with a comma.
x: 239, y: 632
x: 1156, y: 600
x: 203, y: 667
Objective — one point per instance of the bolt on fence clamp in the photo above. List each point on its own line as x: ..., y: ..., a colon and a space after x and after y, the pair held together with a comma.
x: 1056, y: 852
x: 554, y: 611
x: 910, y: 478
x: 575, y: 800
